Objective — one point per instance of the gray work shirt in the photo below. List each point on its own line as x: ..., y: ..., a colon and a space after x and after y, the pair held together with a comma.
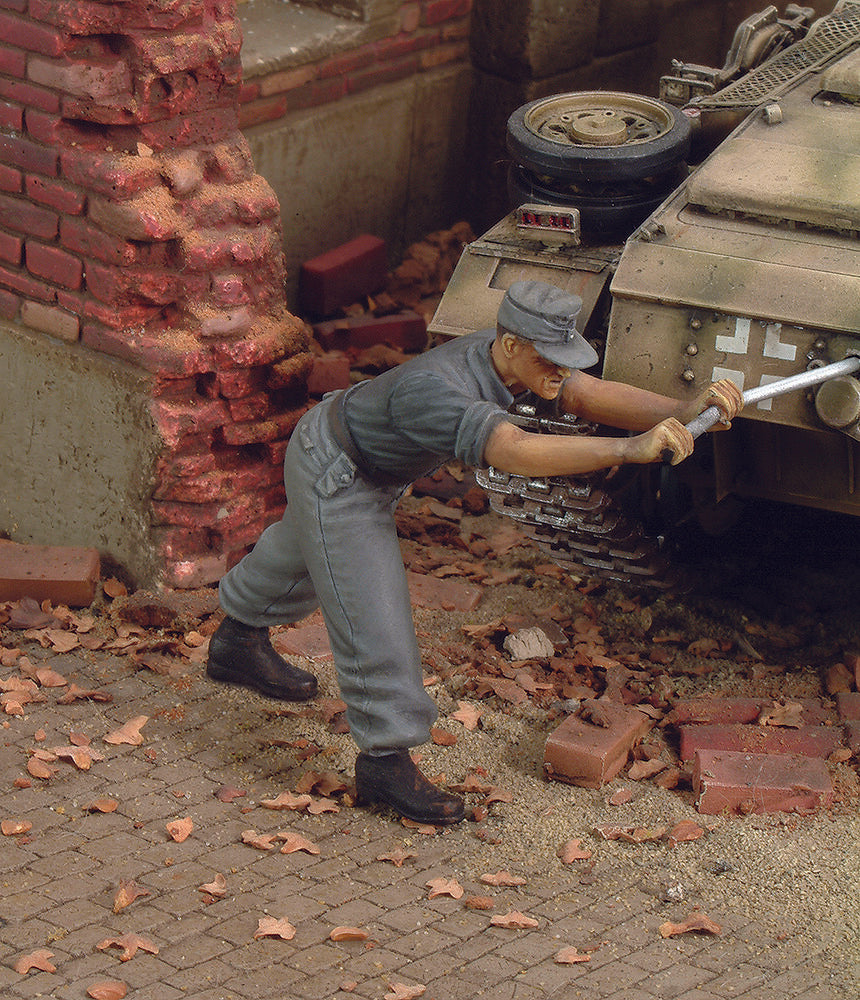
x: 437, y: 406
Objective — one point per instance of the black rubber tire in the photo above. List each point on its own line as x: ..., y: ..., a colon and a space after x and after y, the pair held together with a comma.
x: 611, y: 211
x: 631, y: 159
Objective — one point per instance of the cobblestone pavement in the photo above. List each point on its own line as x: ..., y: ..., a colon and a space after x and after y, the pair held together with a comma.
x: 59, y: 879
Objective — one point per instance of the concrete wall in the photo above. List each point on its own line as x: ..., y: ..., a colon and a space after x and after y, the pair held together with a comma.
x: 77, y: 449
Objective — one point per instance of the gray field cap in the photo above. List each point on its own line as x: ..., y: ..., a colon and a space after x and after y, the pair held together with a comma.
x: 545, y: 315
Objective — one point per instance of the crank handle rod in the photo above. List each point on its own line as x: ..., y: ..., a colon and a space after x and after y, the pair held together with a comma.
x: 803, y: 380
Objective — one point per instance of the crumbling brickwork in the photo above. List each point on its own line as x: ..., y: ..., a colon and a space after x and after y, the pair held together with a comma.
x: 132, y: 221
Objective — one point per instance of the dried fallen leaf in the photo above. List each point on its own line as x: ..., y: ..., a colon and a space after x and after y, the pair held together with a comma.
x: 110, y: 989
x: 126, y: 894
x: 320, y: 806
x: 425, y: 829
x: 180, y: 829
x: 479, y: 903
x: 503, y: 878
x: 573, y: 851
x: 273, y: 927
x: 468, y: 714
x: 348, y: 934
x: 130, y: 944
x: 217, y: 887
x: 295, y: 842
x: 400, y: 991
x: 128, y: 733
x: 102, y: 806
x: 262, y: 841
x: 76, y: 693
x: 50, y: 678
x: 686, y: 829
x: 695, y: 922
x: 444, y: 887
x: 81, y: 757
x: 788, y: 714
x: 227, y: 793
x: 39, y: 769
x: 513, y: 919
x: 12, y: 827
x: 570, y: 956
x: 397, y: 856
x: 286, y: 800
x: 38, y: 959
x: 632, y: 834
x: 442, y: 737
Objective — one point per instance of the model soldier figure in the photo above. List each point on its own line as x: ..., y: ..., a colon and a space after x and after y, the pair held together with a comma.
x: 348, y: 462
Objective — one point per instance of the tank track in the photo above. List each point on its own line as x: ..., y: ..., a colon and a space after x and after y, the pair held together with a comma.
x: 579, y: 522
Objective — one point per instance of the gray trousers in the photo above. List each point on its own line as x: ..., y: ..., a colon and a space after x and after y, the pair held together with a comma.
x: 336, y: 548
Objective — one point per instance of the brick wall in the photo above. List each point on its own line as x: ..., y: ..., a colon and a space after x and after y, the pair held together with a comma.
x: 133, y: 224
x: 422, y: 35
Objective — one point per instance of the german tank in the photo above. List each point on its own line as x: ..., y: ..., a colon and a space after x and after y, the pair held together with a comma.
x: 747, y: 267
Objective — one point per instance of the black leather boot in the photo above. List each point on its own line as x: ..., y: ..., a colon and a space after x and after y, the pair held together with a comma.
x: 392, y: 779
x: 242, y: 654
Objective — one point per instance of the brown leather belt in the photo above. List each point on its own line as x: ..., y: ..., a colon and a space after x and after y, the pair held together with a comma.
x: 341, y: 433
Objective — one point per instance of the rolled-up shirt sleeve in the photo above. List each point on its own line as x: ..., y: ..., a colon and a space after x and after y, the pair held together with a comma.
x: 430, y: 414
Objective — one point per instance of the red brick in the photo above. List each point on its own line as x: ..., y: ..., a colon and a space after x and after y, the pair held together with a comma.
x: 29, y: 287
x: 228, y: 323
x: 852, y: 736
x: 149, y: 217
x: 258, y: 112
x: 589, y: 755
x: 204, y: 128
x: 258, y: 431
x: 406, y: 330
x: 11, y: 180
x: 60, y: 575
x: 53, y: 264
x: 28, y: 35
x: 712, y: 710
x: 806, y: 741
x: 13, y: 62
x: 314, y: 94
x: 80, y: 16
x: 349, y: 62
x: 49, y: 319
x: 130, y: 285
x: 329, y: 372
x: 262, y: 349
x: 26, y: 218
x: 114, y: 175
x: 256, y: 407
x: 177, y: 420
x: 91, y: 78
x: 848, y: 705
x: 11, y: 248
x: 343, y: 275
x: 387, y: 72
x: 11, y: 117
x: 29, y: 155
x: 170, y: 354
x: 84, y: 238
x: 443, y: 10
x: 241, y: 381
x: 55, y: 194
x: 30, y: 95
x: 9, y: 304
x: 189, y: 574
x: 724, y: 781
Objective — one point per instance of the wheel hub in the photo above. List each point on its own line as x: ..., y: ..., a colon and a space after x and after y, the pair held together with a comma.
x: 600, y: 127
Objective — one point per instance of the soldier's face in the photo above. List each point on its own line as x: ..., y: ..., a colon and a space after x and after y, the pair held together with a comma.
x: 535, y: 373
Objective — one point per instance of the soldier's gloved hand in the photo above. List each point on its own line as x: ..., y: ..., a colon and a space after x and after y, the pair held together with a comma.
x: 669, y: 440
x: 727, y: 398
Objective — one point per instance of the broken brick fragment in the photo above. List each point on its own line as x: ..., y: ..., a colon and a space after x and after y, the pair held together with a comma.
x: 343, y: 275
x: 590, y: 755
x: 727, y: 781
x: 58, y: 574
x: 806, y: 741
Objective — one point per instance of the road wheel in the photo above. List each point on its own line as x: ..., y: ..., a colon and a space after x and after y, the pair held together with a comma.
x: 598, y: 136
